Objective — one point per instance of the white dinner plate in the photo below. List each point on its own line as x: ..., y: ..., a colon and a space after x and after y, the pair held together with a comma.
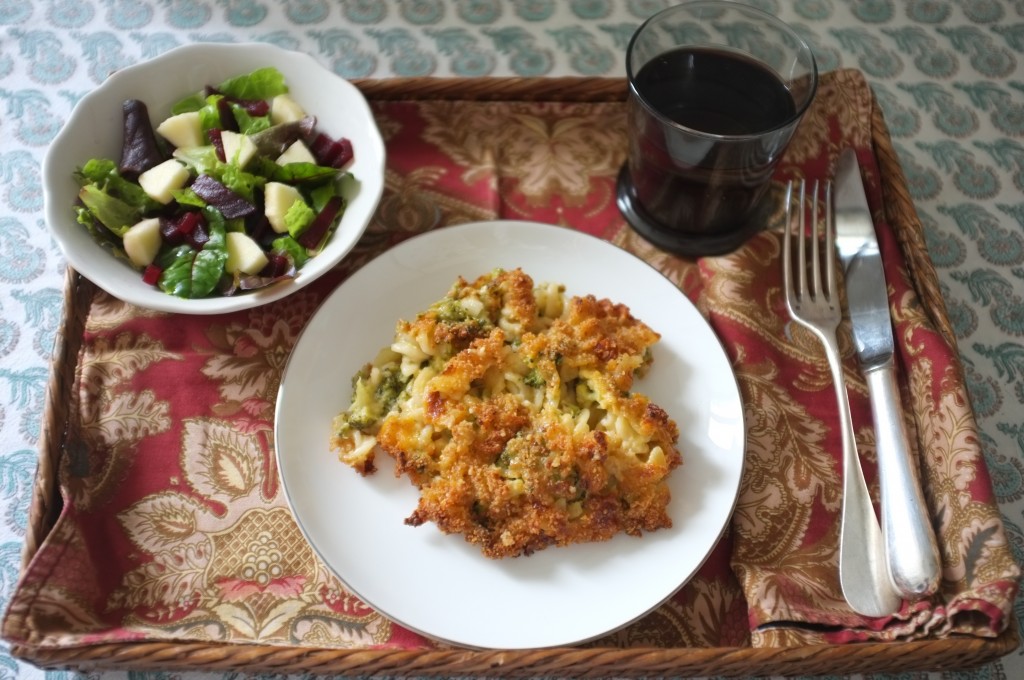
x: 438, y: 584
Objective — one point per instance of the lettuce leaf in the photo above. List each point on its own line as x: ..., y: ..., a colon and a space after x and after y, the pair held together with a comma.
x: 298, y: 218
x: 187, y: 197
x: 190, y: 103
x: 95, y: 170
x: 113, y: 213
x: 263, y: 83
x: 202, y: 160
x: 209, y: 114
x: 100, y: 234
x: 343, y: 185
x: 103, y: 174
x: 286, y: 245
x: 241, y: 182
x: 248, y: 123
x: 188, y: 273
x: 291, y: 173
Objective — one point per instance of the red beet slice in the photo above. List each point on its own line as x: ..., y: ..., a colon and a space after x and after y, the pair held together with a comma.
x: 139, y: 148
x: 258, y: 227
x: 169, y: 231
x: 277, y: 265
x: 175, y: 230
x: 316, y: 231
x: 151, y: 274
x: 254, y: 107
x: 330, y: 152
x: 218, y: 143
x: 227, y: 116
x: 189, y: 221
x: 198, y: 237
x: 230, y: 204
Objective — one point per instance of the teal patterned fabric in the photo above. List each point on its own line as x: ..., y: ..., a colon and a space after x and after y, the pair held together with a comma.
x: 949, y: 75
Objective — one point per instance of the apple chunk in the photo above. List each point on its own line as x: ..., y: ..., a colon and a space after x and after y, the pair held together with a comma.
x: 277, y: 199
x: 284, y: 109
x: 238, y: 148
x: 159, y: 181
x: 296, y: 153
x: 244, y: 254
x: 183, y: 130
x: 142, y: 241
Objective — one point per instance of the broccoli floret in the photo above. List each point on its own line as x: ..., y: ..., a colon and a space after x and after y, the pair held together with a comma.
x: 450, y: 311
x: 363, y: 413
x: 534, y: 379
x: 360, y: 419
x: 391, y: 385
x: 373, y: 398
x: 504, y: 459
x: 645, y: 364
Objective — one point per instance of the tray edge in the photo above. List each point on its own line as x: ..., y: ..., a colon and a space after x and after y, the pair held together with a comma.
x: 957, y: 652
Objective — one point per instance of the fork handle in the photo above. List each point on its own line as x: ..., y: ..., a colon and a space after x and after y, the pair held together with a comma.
x: 911, y: 551
x: 863, y: 576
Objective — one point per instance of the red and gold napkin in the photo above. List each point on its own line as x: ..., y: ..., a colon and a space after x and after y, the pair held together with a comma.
x: 174, y: 526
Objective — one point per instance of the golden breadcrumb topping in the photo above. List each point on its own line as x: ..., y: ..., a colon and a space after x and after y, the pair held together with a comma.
x: 511, y: 408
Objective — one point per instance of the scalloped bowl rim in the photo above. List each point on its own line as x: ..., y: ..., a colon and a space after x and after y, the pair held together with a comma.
x: 340, y: 109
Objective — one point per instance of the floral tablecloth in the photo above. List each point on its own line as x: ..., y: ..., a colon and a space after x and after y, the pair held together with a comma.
x: 945, y: 73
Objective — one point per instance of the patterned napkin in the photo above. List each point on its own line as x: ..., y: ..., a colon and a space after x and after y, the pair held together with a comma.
x: 174, y: 526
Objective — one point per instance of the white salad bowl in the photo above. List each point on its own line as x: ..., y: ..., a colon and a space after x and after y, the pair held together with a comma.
x: 94, y: 130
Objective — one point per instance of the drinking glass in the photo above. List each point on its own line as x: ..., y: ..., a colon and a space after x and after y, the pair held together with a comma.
x: 716, y: 90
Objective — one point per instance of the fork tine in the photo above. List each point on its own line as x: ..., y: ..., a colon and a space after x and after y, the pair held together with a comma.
x: 787, y: 244
x: 816, y: 281
x: 830, y: 244
x: 802, y: 240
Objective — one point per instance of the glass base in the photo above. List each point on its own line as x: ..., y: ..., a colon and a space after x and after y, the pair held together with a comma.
x: 687, y: 243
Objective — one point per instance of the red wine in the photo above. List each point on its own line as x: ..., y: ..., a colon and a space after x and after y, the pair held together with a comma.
x: 715, y: 92
x: 708, y: 127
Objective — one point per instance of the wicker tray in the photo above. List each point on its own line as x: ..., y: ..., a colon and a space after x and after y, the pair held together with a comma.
x: 876, y: 657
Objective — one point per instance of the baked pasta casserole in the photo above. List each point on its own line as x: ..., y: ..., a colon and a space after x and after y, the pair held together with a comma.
x: 511, y: 408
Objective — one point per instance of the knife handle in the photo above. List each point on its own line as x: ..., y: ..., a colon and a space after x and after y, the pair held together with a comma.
x: 911, y: 551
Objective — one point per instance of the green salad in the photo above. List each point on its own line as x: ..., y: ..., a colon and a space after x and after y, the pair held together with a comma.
x: 236, y: 189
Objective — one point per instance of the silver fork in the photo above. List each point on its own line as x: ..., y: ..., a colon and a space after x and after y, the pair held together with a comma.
x: 813, y: 301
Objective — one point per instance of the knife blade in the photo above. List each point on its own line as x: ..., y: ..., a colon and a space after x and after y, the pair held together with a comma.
x: 911, y: 551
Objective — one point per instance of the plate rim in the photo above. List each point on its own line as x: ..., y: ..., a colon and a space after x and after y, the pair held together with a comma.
x: 448, y: 232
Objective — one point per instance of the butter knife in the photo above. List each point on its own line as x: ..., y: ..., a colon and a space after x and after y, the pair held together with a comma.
x: 912, y: 555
